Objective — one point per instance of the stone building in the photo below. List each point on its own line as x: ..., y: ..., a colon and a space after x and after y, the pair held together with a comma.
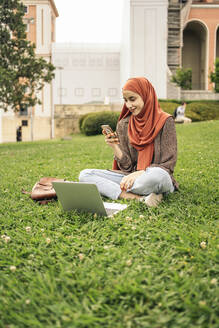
x: 86, y: 73
x: 193, y: 42
x: 34, y: 123
x: 158, y: 37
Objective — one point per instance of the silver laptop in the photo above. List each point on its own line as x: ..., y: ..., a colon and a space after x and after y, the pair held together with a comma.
x: 84, y: 197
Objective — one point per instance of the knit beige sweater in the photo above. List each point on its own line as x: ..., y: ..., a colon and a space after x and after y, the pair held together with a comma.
x: 165, y: 148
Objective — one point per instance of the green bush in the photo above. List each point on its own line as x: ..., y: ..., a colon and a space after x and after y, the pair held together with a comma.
x: 214, y: 76
x: 91, y: 124
x: 81, y: 119
x: 196, y: 110
x: 203, y: 111
x: 183, y: 78
x: 169, y: 107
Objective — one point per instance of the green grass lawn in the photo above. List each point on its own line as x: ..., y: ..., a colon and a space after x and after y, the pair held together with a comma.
x: 145, y: 267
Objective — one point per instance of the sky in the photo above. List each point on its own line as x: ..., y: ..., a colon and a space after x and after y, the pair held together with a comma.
x: 84, y: 21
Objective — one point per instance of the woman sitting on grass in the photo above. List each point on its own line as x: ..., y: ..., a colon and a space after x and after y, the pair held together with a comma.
x: 144, y: 146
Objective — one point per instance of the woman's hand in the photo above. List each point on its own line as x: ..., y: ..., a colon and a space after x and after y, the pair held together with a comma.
x: 111, y: 139
x: 128, y: 181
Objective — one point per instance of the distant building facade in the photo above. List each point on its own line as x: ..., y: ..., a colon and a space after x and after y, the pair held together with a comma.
x: 34, y: 123
x: 193, y: 41
x: 201, y: 42
x: 158, y: 37
x: 86, y: 73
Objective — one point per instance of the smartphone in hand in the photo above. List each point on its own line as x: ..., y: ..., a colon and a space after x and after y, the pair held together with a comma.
x: 108, y: 130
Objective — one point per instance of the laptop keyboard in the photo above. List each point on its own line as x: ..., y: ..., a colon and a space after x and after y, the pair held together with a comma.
x: 113, y: 208
x: 110, y: 211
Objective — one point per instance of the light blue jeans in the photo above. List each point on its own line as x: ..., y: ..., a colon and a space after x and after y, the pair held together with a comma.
x: 154, y: 179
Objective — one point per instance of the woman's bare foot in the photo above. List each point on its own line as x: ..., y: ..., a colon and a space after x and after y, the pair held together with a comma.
x: 153, y: 200
x: 129, y: 195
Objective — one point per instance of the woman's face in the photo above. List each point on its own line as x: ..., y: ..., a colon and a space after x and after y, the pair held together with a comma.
x: 133, y: 101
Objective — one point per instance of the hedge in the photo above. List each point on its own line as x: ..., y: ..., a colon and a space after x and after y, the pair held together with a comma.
x: 81, y: 119
x: 90, y: 124
x: 196, y: 110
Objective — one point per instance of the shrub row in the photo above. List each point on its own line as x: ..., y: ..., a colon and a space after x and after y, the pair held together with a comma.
x: 196, y: 110
x: 90, y: 123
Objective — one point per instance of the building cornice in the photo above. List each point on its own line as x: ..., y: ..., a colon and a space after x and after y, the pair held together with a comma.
x: 54, y: 8
x: 41, y: 2
x: 146, y: 3
x: 86, y: 47
x: 204, y: 6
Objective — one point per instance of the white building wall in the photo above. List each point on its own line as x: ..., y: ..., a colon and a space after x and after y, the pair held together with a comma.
x: 89, y: 73
x: 42, y: 114
x: 44, y: 31
x: 44, y: 109
x: 43, y: 48
x: 146, y: 37
x: 125, y: 54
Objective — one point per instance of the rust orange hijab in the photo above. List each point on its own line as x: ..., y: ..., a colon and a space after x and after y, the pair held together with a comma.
x: 144, y: 127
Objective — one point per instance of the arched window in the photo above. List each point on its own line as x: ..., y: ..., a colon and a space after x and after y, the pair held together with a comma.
x: 194, y: 53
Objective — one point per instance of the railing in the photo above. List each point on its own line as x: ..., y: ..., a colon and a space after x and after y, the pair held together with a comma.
x: 185, y: 13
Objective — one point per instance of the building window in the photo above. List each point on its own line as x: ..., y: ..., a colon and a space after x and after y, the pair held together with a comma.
x: 83, y: 60
x: 115, y: 62
x: 26, y: 9
x: 23, y: 110
x: 62, y: 92
x: 109, y: 61
x: 52, y: 29
x: 65, y: 61
x: 99, y: 61
x: 75, y: 60
x: 58, y: 62
x: 79, y: 92
x: 24, y: 122
x: 112, y: 92
x: 92, y: 61
x: 96, y: 92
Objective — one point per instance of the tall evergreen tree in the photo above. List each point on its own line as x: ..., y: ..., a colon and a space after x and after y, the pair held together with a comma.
x: 22, y: 74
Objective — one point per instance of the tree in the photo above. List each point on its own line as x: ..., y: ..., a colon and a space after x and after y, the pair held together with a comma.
x: 214, y: 76
x: 22, y: 74
x: 183, y: 78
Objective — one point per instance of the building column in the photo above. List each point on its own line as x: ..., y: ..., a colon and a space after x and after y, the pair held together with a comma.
x: 211, y: 53
x: 144, y: 42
